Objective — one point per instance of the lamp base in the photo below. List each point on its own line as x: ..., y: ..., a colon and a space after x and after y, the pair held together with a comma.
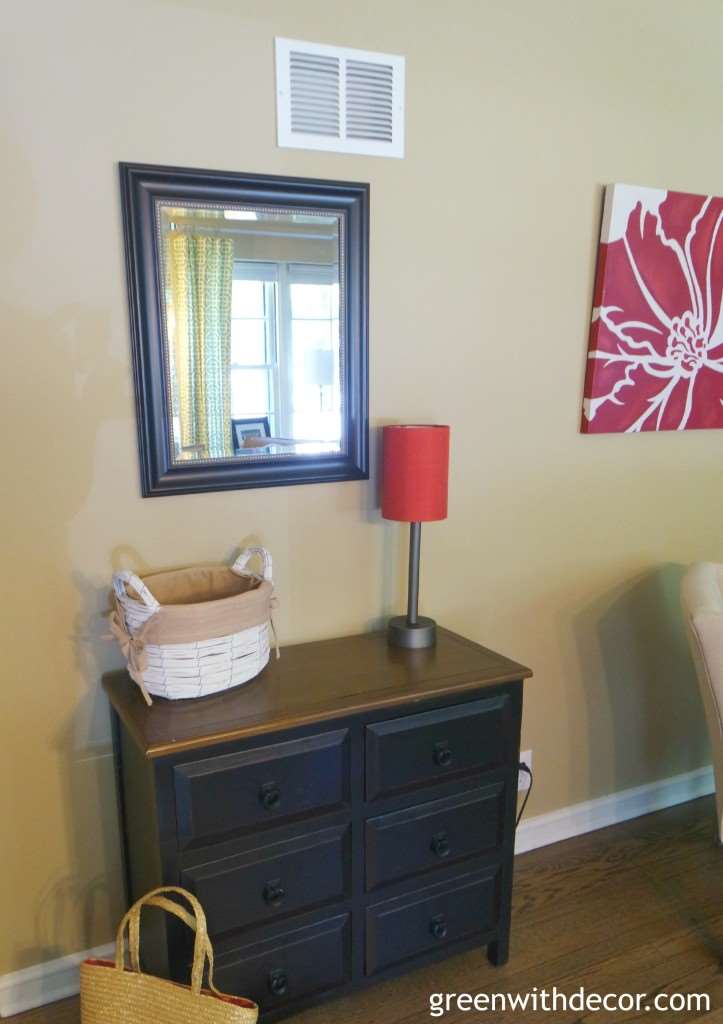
x: 402, y: 634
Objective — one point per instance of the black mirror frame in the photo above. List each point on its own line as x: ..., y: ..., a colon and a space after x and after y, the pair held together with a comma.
x: 142, y: 186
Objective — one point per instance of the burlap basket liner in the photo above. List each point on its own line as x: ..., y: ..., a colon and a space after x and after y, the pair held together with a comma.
x: 111, y: 993
x: 203, y: 603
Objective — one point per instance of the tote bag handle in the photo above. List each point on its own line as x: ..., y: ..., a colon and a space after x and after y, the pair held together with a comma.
x: 202, y: 949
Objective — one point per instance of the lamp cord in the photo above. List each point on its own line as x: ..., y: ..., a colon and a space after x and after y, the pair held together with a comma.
x: 528, y: 771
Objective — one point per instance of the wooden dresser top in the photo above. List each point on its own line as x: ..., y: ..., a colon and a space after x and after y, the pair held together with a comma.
x: 311, y: 682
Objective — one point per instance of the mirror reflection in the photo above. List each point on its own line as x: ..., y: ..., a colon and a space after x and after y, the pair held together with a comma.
x: 251, y: 331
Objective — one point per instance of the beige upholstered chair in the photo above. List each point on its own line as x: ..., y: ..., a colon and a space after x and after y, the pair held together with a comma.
x: 702, y: 595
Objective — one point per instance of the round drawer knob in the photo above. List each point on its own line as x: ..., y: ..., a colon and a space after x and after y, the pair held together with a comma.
x: 270, y: 796
x: 274, y: 893
x: 442, y: 755
x: 278, y: 983
x: 438, y: 926
x: 440, y: 844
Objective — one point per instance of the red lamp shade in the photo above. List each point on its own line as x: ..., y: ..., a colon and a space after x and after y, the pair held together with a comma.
x: 416, y: 469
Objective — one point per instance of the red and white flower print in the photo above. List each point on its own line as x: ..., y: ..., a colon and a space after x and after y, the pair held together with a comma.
x: 655, y: 360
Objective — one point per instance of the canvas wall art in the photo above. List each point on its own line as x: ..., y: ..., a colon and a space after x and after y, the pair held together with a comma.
x: 655, y: 356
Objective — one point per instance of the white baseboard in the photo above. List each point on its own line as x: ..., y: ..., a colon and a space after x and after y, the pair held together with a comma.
x: 609, y: 810
x: 45, y: 983
x: 58, y: 979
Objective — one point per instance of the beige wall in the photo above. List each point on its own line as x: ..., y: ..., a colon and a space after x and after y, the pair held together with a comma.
x: 563, y: 551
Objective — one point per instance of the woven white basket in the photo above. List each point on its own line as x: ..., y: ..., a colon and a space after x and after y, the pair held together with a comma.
x: 199, y: 667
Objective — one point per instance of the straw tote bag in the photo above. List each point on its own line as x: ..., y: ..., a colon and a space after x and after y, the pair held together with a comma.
x: 194, y: 632
x: 111, y: 993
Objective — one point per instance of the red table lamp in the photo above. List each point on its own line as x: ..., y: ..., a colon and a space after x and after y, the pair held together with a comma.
x: 414, y: 491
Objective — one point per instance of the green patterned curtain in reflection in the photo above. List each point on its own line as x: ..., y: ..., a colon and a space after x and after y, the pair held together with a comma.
x: 200, y: 275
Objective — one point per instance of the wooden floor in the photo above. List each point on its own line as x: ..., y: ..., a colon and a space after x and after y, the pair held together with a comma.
x: 633, y: 908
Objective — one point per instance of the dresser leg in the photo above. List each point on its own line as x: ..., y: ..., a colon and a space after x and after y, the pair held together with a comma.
x: 498, y: 952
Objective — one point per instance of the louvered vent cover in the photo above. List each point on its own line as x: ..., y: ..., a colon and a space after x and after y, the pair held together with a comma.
x: 330, y: 97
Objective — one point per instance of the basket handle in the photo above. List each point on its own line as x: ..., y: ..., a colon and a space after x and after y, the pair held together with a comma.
x: 202, y: 949
x: 239, y: 566
x: 120, y: 579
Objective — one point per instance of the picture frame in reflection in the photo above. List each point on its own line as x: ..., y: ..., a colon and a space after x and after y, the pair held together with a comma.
x: 249, y: 433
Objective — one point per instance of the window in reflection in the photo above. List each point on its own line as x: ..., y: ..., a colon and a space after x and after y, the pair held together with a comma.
x: 254, y: 343
x: 314, y: 330
x: 286, y: 315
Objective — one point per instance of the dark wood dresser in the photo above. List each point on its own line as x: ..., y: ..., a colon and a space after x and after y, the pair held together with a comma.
x: 346, y: 816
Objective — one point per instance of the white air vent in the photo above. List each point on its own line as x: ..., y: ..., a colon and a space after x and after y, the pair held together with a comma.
x: 330, y: 97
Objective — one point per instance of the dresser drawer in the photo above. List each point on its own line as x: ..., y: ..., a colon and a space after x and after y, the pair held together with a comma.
x: 294, y: 965
x: 431, y: 746
x: 406, y: 927
x: 433, y: 835
x: 264, y: 884
x: 260, y: 787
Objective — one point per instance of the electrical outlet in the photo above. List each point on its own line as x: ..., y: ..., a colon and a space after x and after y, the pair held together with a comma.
x: 523, y: 779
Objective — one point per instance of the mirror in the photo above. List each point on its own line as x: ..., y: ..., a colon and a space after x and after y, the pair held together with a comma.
x: 248, y: 308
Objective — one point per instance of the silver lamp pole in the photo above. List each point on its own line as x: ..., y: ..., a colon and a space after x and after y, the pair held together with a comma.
x: 412, y: 629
